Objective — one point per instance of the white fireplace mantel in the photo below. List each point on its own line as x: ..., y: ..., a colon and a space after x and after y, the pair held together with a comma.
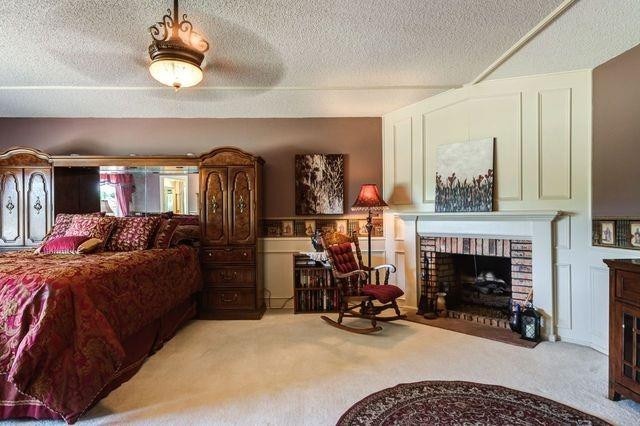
x: 534, y: 225
x: 514, y: 215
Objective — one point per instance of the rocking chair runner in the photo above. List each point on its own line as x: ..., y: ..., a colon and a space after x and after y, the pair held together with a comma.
x: 356, y: 297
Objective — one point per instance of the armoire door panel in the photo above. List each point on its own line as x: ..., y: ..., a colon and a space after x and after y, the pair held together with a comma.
x: 11, y: 209
x: 243, y: 206
x: 37, y: 204
x: 213, y: 189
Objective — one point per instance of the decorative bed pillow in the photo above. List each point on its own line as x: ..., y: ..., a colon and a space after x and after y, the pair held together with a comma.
x: 70, y: 245
x: 63, y: 220
x: 166, y: 230
x: 133, y: 233
x: 91, y: 226
x: 186, y: 234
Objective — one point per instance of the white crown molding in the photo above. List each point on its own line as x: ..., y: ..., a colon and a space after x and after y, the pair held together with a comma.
x: 557, y: 12
x: 231, y: 88
x: 502, y: 216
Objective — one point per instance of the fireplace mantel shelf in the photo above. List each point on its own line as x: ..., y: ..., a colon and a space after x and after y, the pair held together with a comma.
x: 513, y: 215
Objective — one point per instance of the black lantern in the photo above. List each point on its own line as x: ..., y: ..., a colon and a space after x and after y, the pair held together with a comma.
x: 530, y: 324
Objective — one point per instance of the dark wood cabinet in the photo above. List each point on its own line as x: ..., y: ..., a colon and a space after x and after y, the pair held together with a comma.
x: 26, y: 198
x: 624, y: 329
x: 230, y: 185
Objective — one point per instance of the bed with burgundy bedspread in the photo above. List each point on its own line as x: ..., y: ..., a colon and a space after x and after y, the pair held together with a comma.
x: 74, y: 327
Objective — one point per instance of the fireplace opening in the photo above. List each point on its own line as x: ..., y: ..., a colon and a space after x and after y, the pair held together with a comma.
x: 480, y: 285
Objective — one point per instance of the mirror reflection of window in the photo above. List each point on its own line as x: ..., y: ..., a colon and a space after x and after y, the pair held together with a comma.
x: 132, y: 191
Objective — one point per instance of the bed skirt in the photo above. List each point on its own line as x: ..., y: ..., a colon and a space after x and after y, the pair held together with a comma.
x: 138, y: 347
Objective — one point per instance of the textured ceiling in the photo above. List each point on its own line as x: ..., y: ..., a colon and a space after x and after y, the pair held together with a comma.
x: 274, y: 58
x: 378, y: 54
x: 589, y: 33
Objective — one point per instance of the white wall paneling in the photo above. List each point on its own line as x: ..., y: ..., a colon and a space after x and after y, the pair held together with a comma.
x: 542, y: 126
x: 554, y: 144
x: 599, y: 292
x: 562, y: 277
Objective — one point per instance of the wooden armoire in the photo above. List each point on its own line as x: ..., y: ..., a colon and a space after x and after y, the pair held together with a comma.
x: 230, y: 212
x: 26, y: 198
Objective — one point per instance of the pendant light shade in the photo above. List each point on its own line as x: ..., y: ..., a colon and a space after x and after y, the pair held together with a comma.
x: 175, y: 73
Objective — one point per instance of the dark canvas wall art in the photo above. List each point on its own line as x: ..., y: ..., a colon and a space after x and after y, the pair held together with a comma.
x: 319, y: 184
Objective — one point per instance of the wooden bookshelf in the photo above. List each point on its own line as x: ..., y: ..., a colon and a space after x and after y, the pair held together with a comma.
x: 314, y: 289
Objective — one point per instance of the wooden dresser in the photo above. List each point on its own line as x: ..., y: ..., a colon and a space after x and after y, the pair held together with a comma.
x: 230, y: 211
x: 26, y: 195
x: 624, y: 329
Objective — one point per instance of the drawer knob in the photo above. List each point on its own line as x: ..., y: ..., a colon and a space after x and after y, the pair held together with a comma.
x: 244, y: 254
x: 210, y: 254
x: 232, y: 300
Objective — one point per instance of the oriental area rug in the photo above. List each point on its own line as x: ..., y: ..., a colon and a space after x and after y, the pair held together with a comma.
x: 460, y: 403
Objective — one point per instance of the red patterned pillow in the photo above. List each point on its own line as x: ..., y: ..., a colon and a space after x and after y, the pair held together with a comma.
x: 91, y: 226
x: 133, y: 233
x: 70, y: 245
x: 166, y: 229
x: 63, y: 220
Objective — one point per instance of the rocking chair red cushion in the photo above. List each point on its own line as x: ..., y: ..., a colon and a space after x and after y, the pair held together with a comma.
x: 343, y: 258
x: 383, y: 293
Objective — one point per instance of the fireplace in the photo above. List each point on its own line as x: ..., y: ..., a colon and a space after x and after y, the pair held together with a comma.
x: 481, y: 276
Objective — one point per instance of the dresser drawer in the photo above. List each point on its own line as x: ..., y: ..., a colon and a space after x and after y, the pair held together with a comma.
x: 230, y: 298
x: 230, y: 276
x: 628, y: 286
x: 229, y: 255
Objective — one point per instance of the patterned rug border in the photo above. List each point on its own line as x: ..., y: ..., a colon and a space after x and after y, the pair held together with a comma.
x: 368, y: 399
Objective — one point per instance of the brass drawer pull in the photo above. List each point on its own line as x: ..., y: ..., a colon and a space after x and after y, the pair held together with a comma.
x: 228, y: 277
x: 234, y: 299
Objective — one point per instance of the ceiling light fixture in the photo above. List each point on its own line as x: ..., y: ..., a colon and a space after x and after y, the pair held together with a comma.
x: 177, y: 51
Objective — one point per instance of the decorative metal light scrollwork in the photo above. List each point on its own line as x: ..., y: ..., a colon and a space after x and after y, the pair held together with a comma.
x: 37, y: 206
x: 177, y: 51
x: 171, y: 27
x: 10, y: 206
x: 241, y: 205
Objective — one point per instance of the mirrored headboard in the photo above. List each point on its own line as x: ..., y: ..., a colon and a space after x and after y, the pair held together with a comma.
x: 126, y: 186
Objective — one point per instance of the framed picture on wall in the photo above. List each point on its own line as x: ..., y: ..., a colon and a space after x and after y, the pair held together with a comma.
x: 319, y: 184
x: 635, y: 234
x: 341, y: 226
x: 309, y: 227
x: 287, y: 228
x: 362, y: 227
x: 607, y: 232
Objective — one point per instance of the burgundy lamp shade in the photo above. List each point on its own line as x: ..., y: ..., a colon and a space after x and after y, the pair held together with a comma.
x: 369, y: 198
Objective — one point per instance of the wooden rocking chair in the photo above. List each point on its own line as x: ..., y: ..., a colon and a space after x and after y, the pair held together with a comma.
x: 356, y: 296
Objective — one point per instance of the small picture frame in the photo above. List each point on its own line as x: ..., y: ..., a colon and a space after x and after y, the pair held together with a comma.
x: 287, y: 228
x: 362, y: 227
x: 635, y: 234
x: 607, y: 232
x: 273, y: 231
x: 341, y: 227
x: 309, y: 227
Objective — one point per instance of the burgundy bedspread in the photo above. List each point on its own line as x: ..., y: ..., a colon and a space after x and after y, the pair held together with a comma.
x: 63, y: 318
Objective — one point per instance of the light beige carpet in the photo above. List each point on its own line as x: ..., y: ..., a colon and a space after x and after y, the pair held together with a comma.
x: 294, y: 369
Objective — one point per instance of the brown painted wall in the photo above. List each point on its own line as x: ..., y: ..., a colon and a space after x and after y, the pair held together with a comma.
x: 616, y: 136
x: 276, y: 140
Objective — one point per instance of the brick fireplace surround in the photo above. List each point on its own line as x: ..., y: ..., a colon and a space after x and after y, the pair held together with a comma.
x: 441, y: 265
